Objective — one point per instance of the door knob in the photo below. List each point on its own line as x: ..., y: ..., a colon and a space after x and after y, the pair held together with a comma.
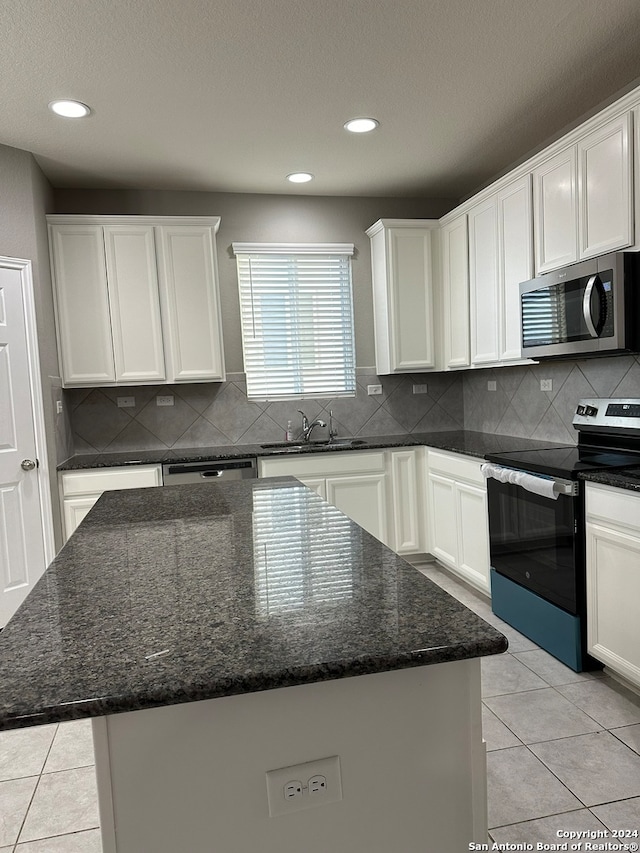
x: 27, y: 464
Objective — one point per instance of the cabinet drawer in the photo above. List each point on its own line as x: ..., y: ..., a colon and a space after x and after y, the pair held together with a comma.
x: 324, y: 464
x: 620, y: 507
x: 456, y: 466
x: 95, y: 481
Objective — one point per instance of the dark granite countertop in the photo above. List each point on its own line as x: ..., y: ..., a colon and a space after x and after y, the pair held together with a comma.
x: 172, y: 595
x: 458, y: 441
x: 623, y: 478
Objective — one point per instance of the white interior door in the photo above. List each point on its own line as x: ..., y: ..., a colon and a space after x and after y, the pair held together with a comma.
x: 22, y: 543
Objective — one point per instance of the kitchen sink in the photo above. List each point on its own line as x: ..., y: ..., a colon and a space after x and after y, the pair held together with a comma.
x: 288, y: 447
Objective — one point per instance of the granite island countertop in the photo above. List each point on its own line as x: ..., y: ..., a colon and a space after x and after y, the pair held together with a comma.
x: 172, y: 595
x: 469, y: 442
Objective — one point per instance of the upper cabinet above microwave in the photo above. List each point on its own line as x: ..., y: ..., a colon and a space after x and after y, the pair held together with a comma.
x: 136, y: 299
x: 583, y: 200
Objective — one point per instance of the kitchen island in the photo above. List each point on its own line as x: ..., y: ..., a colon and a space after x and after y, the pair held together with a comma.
x: 216, y: 634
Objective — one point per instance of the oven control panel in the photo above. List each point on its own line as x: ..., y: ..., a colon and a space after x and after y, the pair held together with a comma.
x: 608, y: 413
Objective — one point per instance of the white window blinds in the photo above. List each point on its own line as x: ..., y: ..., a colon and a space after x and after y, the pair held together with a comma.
x: 297, y: 320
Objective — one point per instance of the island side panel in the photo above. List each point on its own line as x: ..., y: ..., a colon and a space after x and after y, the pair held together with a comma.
x: 192, y: 776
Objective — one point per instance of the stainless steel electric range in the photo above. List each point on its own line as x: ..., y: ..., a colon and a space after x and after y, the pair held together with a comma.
x: 536, y: 526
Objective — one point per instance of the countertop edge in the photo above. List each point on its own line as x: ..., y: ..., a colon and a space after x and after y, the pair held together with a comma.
x: 255, y: 683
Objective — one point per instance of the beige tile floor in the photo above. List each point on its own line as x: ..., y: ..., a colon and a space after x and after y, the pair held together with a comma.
x: 563, y: 754
x: 563, y: 748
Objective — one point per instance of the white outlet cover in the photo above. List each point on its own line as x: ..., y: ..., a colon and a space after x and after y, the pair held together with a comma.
x: 546, y: 384
x: 125, y: 402
x: 492, y: 385
x: 164, y: 400
x: 277, y: 781
x: 374, y: 390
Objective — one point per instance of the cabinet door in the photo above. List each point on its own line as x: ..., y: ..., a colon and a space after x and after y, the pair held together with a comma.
x: 411, y: 298
x: 135, y: 304
x: 555, y: 211
x: 455, y: 276
x: 318, y: 484
x: 613, y: 592
x: 190, y: 303
x: 604, y: 188
x: 443, y: 532
x: 515, y: 230
x: 407, y: 521
x: 363, y: 499
x: 82, y: 304
x: 483, y: 278
x: 74, y: 510
x: 473, y: 535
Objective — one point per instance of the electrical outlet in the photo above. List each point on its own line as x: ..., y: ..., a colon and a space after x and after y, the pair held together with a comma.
x: 293, y: 789
x: 166, y: 400
x: 491, y: 385
x: 303, y: 786
x: 317, y: 785
x: 58, y: 407
x: 374, y: 389
x: 546, y: 384
x: 125, y: 402
x: 419, y: 389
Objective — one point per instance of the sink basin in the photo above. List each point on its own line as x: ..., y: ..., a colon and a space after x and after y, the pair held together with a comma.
x: 288, y: 447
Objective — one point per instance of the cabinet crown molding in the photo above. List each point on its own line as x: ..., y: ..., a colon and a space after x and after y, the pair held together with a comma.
x: 401, y: 223
x: 114, y: 219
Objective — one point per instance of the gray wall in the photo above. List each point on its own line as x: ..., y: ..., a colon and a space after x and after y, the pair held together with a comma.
x: 25, y: 197
x: 268, y: 218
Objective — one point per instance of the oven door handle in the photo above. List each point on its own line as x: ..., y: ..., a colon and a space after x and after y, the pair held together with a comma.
x: 565, y: 487
x: 550, y: 486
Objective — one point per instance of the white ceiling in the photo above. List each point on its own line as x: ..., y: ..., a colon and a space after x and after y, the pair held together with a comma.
x: 231, y: 95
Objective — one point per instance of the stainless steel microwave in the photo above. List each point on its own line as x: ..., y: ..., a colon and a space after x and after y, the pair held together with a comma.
x: 589, y: 308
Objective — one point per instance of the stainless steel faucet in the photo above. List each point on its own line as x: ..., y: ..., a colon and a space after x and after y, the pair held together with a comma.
x: 307, y: 427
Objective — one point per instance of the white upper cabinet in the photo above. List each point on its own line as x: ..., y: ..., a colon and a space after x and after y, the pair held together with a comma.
x: 483, y: 280
x: 136, y: 299
x: 583, y: 197
x: 136, y: 326
x: 555, y: 211
x: 455, y: 292
x: 403, y: 304
x: 604, y: 188
x: 190, y: 302
x: 82, y: 304
x: 515, y: 261
x: 500, y: 257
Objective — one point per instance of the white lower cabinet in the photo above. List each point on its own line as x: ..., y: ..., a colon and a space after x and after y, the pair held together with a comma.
x: 363, y: 498
x: 457, y: 517
x: 79, y: 490
x: 381, y: 490
x: 613, y: 579
x: 407, y: 516
x: 353, y: 482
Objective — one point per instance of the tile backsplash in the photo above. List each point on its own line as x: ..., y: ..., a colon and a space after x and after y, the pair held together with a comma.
x: 210, y: 414
x: 519, y: 407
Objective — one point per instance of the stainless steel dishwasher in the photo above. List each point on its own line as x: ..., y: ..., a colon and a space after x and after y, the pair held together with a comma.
x: 218, y: 471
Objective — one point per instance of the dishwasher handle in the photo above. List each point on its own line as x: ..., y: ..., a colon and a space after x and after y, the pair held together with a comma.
x: 214, y: 472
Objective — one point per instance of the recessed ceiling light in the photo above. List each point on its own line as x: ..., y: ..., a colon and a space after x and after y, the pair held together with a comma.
x: 300, y: 177
x: 69, y: 109
x: 361, y: 125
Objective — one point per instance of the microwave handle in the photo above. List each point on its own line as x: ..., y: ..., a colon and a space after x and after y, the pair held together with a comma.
x: 586, y: 306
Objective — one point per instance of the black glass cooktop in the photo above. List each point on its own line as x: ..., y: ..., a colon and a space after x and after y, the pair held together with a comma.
x: 566, y: 462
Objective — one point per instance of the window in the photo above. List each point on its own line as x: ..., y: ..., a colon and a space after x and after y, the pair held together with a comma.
x: 297, y: 319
